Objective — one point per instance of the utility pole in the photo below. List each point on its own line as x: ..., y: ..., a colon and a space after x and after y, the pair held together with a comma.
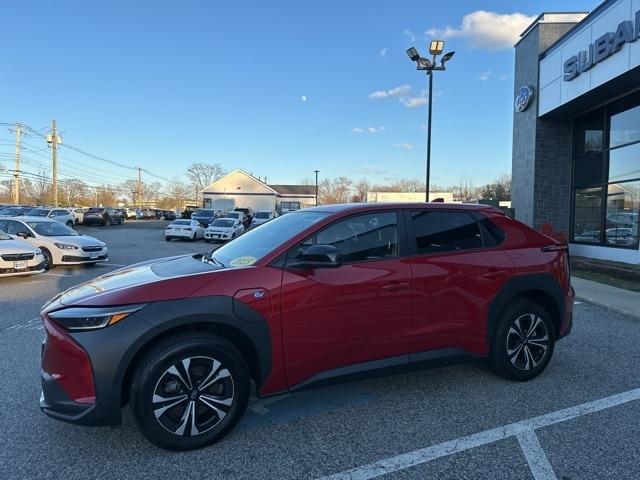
x: 316, y: 172
x: 139, y: 188
x: 54, y: 140
x: 16, y: 172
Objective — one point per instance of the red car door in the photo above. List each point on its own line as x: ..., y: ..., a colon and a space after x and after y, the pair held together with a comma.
x: 356, y: 313
x: 457, y: 270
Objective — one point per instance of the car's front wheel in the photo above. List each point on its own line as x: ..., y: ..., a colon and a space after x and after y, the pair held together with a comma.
x: 524, y: 341
x: 190, y: 391
x: 48, y: 258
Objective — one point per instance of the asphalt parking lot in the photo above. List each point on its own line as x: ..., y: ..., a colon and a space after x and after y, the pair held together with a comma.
x: 578, y: 420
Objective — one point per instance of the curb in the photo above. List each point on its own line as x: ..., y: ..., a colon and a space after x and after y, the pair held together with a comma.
x: 613, y: 308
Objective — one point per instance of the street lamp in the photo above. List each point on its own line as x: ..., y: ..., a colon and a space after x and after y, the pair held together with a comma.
x: 429, y: 65
x: 316, y: 172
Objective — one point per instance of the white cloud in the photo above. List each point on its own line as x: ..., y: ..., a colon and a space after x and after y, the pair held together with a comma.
x: 413, y: 102
x: 383, y: 52
x: 484, y: 76
x: 368, y: 129
x: 410, y: 35
x: 303, y: 98
x: 488, y: 30
x: 392, y: 92
x: 406, y: 146
x: 488, y: 75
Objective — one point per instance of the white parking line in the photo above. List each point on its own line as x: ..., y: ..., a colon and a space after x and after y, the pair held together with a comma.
x: 424, y: 455
x: 58, y: 274
x: 536, y: 458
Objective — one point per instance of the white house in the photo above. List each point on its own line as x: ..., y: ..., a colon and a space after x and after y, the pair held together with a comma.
x: 240, y: 189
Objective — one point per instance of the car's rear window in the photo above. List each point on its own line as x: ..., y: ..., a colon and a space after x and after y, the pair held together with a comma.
x: 493, y: 230
x: 181, y: 222
x: 38, y: 212
x: 94, y: 210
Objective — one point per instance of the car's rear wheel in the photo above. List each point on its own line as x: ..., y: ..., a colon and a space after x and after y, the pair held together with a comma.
x: 524, y: 341
x: 190, y: 391
x: 69, y: 224
x: 48, y: 258
x: 168, y: 239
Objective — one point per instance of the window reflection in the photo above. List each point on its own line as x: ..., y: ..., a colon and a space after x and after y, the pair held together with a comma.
x: 588, y: 216
x: 623, y: 205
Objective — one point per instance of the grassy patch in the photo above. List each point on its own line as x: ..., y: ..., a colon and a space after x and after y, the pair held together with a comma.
x: 608, y: 279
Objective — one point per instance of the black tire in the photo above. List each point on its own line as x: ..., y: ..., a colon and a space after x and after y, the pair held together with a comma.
x: 77, y: 222
x: 48, y: 259
x: 207, y: 240
x: 153, y: 378
x: 519, y: 352
x: 70, y: 224
x: 168, y: 239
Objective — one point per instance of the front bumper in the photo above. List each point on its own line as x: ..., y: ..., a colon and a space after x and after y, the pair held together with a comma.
x: 78, y: 257
x: 7, y: 269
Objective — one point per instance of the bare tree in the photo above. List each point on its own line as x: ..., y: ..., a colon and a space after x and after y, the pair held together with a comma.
x: 336, y: 190
x: 41, y: 188
x: 202, y: 175
x: 177, y: 193
x: 465, y: 190
x: 72, y: 190
x: 361, y: 189
x: 131, y: 188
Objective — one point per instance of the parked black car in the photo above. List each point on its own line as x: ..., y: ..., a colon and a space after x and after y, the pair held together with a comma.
x: 204, y: 216
x: 169, y: 214
x: 103, y: 216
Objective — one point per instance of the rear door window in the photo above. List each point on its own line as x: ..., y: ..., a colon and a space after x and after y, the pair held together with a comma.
x: 445, y: 231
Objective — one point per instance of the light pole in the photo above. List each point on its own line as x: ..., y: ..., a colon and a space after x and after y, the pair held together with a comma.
x: 316, y: 172
x: 435, y: 49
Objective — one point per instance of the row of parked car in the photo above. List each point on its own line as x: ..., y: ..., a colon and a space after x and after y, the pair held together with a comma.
x: 215, y: 225
x: 33, y: 244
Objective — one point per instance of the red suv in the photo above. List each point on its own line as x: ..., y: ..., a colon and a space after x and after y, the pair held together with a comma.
x: 312, y: 295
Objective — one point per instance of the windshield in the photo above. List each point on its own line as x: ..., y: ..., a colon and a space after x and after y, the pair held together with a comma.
x: 203, y: 213
x: 255, y: 244
x: 221, y: 222
x: 52, y: 229
x: 38, y: 212
x: 4, y: 236
x: 262, y: 215
x: 10, y: 211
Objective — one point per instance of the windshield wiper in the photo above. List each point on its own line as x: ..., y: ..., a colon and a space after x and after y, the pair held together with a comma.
x: 209, y: 258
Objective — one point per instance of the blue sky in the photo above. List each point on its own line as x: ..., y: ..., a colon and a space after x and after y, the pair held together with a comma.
x: 275, y: 88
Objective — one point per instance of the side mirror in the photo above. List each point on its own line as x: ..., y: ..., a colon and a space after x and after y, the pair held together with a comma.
x: 23, y: 235
x: 317, y: 256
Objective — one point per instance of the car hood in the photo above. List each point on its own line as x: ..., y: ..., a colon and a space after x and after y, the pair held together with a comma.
x: 15, y: 246
x: 155, y: 280
x: 79, y: 241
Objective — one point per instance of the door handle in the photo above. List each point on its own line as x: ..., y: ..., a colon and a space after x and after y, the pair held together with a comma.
x: 494, y: 274
x: 392, y: 287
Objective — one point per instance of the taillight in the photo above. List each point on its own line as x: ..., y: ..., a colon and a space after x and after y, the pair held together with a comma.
x: 68, y: 364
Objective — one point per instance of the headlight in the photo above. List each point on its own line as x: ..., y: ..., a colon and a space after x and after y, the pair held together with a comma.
x: 78, y: 319
x: 65, y: 246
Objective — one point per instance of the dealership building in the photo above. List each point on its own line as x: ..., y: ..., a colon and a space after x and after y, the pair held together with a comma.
x: 576, y: 129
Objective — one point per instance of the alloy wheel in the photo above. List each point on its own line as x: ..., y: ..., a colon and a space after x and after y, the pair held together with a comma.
x: 193, y: 396
x: 527, y: 341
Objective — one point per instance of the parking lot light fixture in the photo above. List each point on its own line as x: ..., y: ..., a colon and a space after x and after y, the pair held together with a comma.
x: 429, y: 66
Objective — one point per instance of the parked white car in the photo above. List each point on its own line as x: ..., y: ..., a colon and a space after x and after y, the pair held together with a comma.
x: 187, y: 229
x: 262, y: 216
x: 61, y: 215
x: 78, y: 215
x: 60, y: 244
x: 223, y: 229
x: 18, y: 257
